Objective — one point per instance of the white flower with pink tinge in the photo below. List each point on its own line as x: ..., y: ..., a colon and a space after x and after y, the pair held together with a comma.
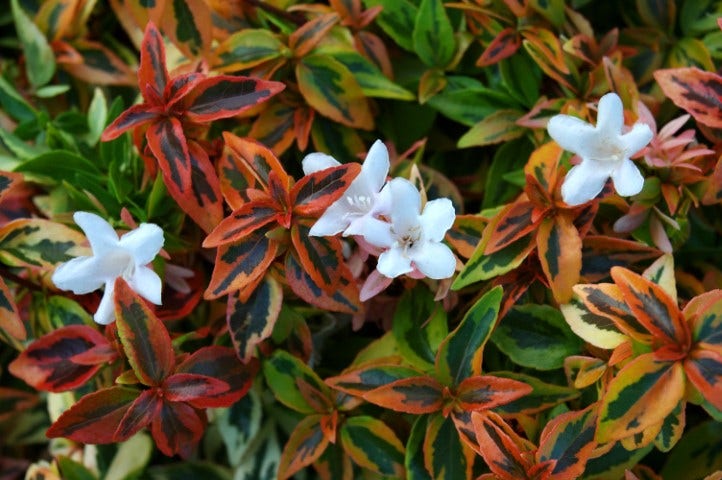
x: 113, y: 257
x: 605, y: 151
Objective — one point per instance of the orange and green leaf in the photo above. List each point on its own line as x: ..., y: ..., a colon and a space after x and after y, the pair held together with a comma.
x: 415, y: 395
x: 694, y: 90
x: 305, y: 445
x: 373, y: 445
x: 559, y: 247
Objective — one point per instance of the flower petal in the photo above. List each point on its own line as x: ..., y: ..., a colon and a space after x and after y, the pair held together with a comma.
x: 146, y: 283
x: 377, y: 233
x: 376, y: 166
x: 584, y: 182
x: 79, y: 275
x: 101, y: 235
x: 332, y: 221
x: 143, y: 243
x: 405, y: 205
x: 106, y: 310
x: 435, y: 260
x: 393, y: 263
x: 438, y: 217
x: 610, y: 115
x: 315, y: 162
x: 627, y: 179
x: 636, y: 139
x: 571, y: 133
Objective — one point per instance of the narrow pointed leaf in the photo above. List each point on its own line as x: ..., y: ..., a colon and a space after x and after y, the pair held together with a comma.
x: 307, y: 36
x: 275, y: 128
x: 320, y: 257
x: 39, y: 58
x: 315, y: 192
x: 145, y: 340
x: 596, y: 329
x: 95, y: 417
x: 239, y: 264
x: 460, y: 354
x: 306, y: 443
x: 414, y: 459
x: 543, y: 396
x: 704, y: 370
x: 246, y: 49
x: 465, y: 428
x: 331, y: 89
x: 224, y: 96
x: 484, y: 392
x: 242, y: 222
x: 47, y: 364
x: 559, y: 247
x: 512, y: 223
x: 134, y: 117
x: 568, y: 439
x: 247, y: 164
x: 140, y: 413
x: 694, y: 90
x: 252, y: 321
x: 505, y: 44
x: 433, y: 34
x: 13, y: 401
x: 204, y: 204
x: 419, y: 325
x: 465, y: 234
x: 372, y: 81
x: 704, y: 313
x: 152, y: 72
x: 177, y: 429
x: 373, y: 445
x: 99, y: 65
x: 189, y: 387
x: 501, y: 447
x: 221, y: 364
x: 365, y: 379
x: 672, y: 428
x: 188, y: 23
x: 496, y: 127
x: 626, y: 406
x: 167, y: 141
x: 39, y: 243
x: 415, y: 395
x: 601, y: 253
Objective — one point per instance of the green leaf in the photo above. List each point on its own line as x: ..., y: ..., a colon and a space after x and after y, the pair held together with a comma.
x: 397, y: 19
x: 97, y: 116
x: 372, y: 81
x: 39, y: 57
x: 510, y: 156
x: 131, y: 458
x: 281, y: 371
x: 239, y: 425
x: 459, y: 356
x: 445, y: 457
x: 498, y: 127
x: 50, y: 91
x: 72, y: 470
x: 433, y: 34
x: 522, y: 77
x: 419, y: 326
x: 247, y: 48
x: 185, y: 470
x: 14, y: 104
x: 414, y: 460
x: 618, y: 459
x: 697, y: 454
x: 373, y: 445
x: 536, y: 336
x: 18, y: 147
x: 39, y: 243
x: 468, y: 101
x: 63, y: 311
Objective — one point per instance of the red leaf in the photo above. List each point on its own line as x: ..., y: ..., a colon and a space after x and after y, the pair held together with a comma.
x: 179, y: 87
x: 568, y: 442
x: 145, y: 340
x: 10, y: 323
x: 192, y: 387
x: 221, y: 364
x: 241, y: 263
x: 47, y: 364
x: 514, y: 222
x: 242, y: 222
x: 224, y: 96
x: 167, y: 141
x: 415, y: 395
x: 95, y: 417
x: 306, y: 443
x: 141, y: 412
x: 177, y: 429
x: 14, y: 401
x: 203, y: 204
x: 320, y: 257
x: 505, y: 44
x: 134, y: 117
x: 485, y: 391
x: 315, y: 192
x: 152, y: 72
x: 694, y: 90
x: 247, y: 158
x: 704, y: 370
x: 503, y: 450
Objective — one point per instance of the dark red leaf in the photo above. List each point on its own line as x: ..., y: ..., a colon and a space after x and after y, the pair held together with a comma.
x: 320, y: 257
x: 13, y: 401
x: 95, y: 417
x: 177, y: 429
x: 47, y: 364
x: 179, y: 87
x: 145, y: 340
x: 135, y: 116
x: 505, y: 44
x: 222, y: 364
x: 192, y: 387
x: 169, y: 146
x: 224, y: 96
x: 141, y: 412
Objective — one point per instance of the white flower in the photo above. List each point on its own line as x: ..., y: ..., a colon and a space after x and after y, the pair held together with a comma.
x: 604, y: 150
x: 412, y: 239
x: 360, y: 201
x: 126, y: 257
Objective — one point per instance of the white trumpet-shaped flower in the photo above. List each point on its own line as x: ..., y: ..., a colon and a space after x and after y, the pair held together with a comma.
x: 113, y: 257
x: 412, y: 239
x: 605, y: 151
x: 360, y: 202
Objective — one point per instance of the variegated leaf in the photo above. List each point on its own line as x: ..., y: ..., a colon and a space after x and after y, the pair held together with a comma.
x: 503, y: 450
x: 140, y: 413
x: 484, y: 392
x: 307, y: 36
x: 415, y: 395
x: 446, y: 457
x: 305, y: 445
x: 704, y: 370
x: 39, y: 243
x: 244, y: 221
x: 559, y: 247
x: 373, y: 445
x: 282, y: 370
x: 320, y: 257
x: 168, y: 143
x: 511, y: 224
x: 246, y: 159
x: 246, y: 49
x: 543, y: 396
x: 189, y: 25
x: 694, y: 90
x: 568, y: 439
x: 12, y: 328
x: 177, y: 429
x: 505, y: 44
x: 315, y: 192
x: 343, y: 298
x: 152, y: 72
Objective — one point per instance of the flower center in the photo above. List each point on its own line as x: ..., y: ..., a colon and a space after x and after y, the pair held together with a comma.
x: 409, y: 238
x: 120, y: 264
x: 361, y: 203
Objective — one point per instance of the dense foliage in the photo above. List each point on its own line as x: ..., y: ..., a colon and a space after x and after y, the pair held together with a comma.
x: 416, y: 239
